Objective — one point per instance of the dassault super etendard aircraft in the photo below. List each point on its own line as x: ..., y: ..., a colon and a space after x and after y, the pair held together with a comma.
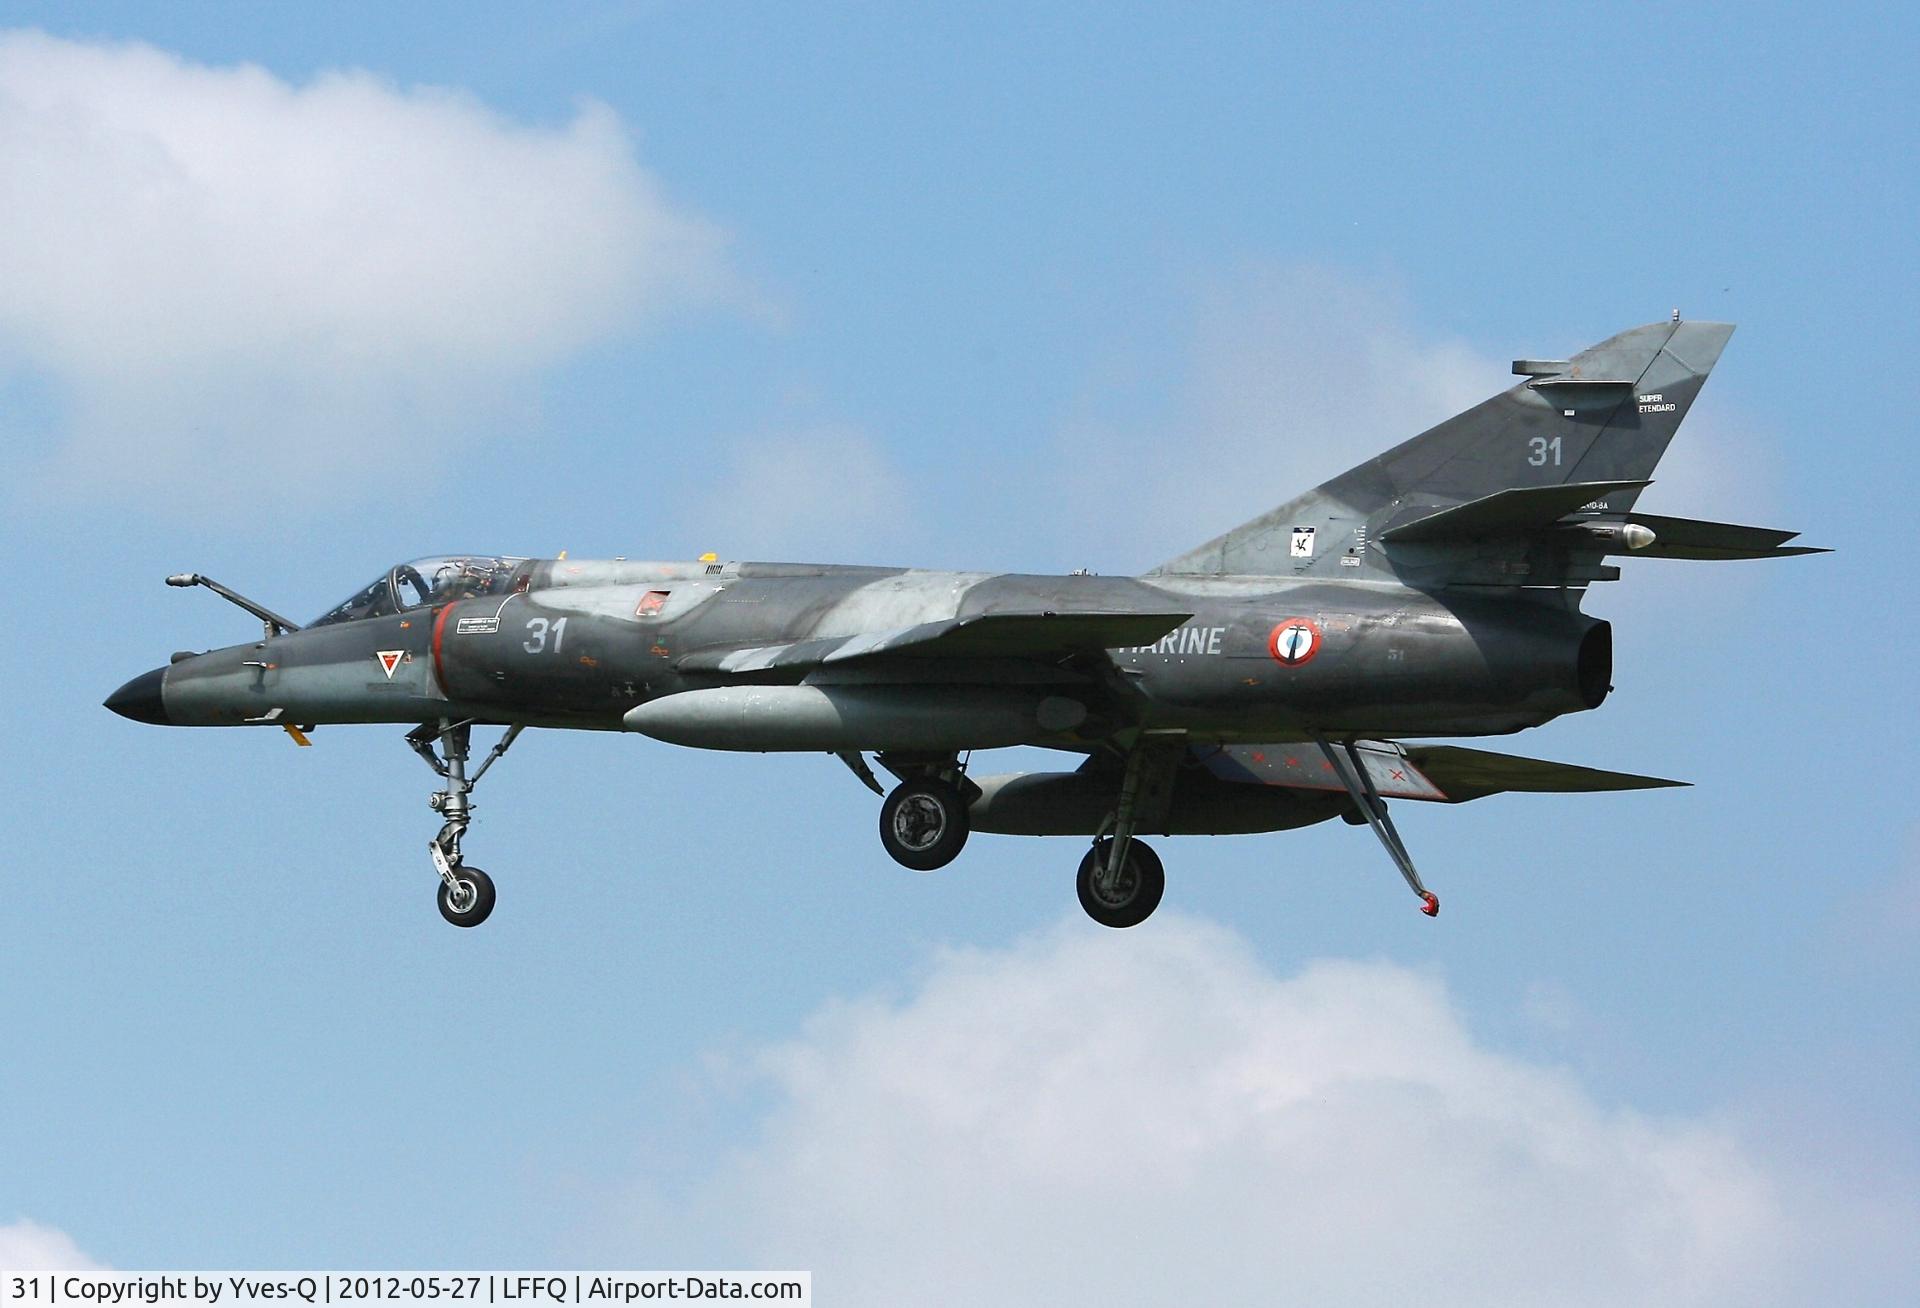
x: 1263, y: 681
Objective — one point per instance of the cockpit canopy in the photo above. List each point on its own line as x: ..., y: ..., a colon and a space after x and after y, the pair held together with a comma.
x: 426, y: 582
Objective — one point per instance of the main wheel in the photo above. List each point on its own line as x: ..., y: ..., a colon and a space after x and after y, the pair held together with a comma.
x: 923, y: 824
x: 467, y: 902
x: 1134, y: 894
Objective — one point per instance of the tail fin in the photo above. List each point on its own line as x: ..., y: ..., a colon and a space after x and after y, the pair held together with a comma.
x: 1606, y: 415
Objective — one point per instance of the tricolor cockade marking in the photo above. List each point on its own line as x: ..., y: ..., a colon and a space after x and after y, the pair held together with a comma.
x: 1295, y: 641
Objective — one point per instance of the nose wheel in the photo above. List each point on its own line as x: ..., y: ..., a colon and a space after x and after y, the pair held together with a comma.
x: 467, y: 899
x: 466, y: 893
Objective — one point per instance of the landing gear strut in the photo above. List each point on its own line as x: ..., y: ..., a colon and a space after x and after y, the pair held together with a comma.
x: 1121, y: 879
x: 466, y: 893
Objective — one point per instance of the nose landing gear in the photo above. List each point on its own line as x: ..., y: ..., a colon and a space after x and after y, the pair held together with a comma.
x: 466, y: 894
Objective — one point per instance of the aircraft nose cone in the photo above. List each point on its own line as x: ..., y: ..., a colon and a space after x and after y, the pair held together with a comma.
x: 139, y: 699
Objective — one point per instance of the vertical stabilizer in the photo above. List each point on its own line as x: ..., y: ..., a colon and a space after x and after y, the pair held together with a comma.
x: 1605, y: 415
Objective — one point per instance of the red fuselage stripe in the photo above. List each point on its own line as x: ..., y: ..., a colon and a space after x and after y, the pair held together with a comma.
x: 439, y: 630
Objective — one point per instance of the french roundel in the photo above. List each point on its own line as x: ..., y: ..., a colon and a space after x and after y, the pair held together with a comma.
x: 1295, y: 641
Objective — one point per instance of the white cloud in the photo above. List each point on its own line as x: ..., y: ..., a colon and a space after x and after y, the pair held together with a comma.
x: 823, y: 493
x: 1083, y: 1119
x: 30, y: 1247
x: 231, y: 278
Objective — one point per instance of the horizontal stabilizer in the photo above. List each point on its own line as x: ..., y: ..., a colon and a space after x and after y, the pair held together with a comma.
x: 1447, y: 774
x: 985, y: 636
x: 1564, y: 385
x: 1519, y: 509
x: 1692, y: 538
x: 1466, y: 774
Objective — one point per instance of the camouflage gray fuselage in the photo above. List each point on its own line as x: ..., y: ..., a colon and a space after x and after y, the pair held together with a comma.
x: 1440, y: 583
x: 574, y: 646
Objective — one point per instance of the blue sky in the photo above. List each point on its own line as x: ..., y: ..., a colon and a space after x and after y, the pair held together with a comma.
x: 1023, y: 287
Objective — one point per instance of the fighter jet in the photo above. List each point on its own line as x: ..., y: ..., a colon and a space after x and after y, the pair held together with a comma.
x: 1292, y: 670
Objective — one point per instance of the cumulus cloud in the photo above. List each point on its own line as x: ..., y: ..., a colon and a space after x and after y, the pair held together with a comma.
x: 225, y: 277
x: 1082, y: 1120
x: 30, y: 1247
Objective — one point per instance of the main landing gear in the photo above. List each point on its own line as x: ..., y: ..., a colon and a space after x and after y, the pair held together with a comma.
x: 924, y: 823
x: 1124, y: 897
x: 466, y: 893
x: 1121, y: 879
